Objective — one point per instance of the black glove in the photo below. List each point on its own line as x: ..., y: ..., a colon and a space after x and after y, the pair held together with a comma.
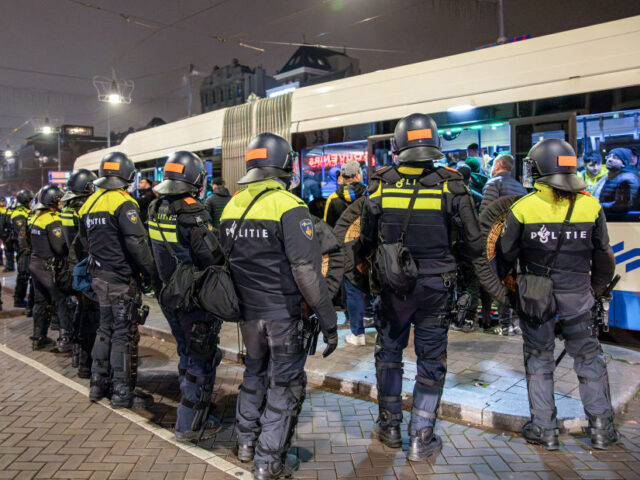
x: 331, y: 339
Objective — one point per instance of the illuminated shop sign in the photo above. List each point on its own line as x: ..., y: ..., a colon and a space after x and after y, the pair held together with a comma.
x: 78, y: 130
x: 335, y: 159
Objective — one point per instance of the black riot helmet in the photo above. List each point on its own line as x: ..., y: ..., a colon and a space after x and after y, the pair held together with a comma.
x: 268, y: 156
x: 48, y: 197
x: 116, y: 171
x: 24, y: 197
x: 417, y: 131
x: 80, y: 184
x: 554, y: 162
x: 183, y: 172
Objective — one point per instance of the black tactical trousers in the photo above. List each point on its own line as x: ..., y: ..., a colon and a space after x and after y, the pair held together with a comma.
x: 273, y: 387
x: 46, y: 294
x: 588, y: 363
x: 196, y: 337
x: 87, y: 320
x: 22, y: 279
x: 425, y: 308
x: 10, y: 255
x: 114, y: 352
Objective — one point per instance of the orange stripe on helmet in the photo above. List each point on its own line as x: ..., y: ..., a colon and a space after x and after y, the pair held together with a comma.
x: 419, y: 134
x: 174, y: 167
x: 256, y: 153
x: 567, y: 161
x: 111, y: 166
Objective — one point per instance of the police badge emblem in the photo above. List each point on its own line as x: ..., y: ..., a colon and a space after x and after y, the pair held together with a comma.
x: 132, y: 215
x: 307, y: 228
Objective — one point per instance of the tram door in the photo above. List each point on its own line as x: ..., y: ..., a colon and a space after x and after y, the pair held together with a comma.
x: 378, y: 152
x: 526, y: 132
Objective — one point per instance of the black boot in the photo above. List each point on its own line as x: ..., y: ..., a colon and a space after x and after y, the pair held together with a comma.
x: 603, y: 432
x: 125, y: 397
x: 423, y: 445
x: 277, y: 469
x: 246, y: 451
x: 99, y: 387
x: 385, y: 431
x: 548, y: 438
x: 84, y: 364
x: 41, y: 343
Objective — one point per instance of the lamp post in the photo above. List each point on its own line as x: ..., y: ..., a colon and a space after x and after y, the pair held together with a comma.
x: 112, y: 91
x: 47, y: 129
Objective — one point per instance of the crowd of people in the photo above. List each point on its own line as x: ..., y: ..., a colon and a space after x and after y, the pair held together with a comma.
x: 92, y: 251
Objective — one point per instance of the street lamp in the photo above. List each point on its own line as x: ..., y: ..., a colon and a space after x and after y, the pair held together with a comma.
x: 112, y: 91
x: 47, y: 129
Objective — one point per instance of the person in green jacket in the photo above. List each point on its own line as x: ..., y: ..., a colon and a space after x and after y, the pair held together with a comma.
x: 594, y: 170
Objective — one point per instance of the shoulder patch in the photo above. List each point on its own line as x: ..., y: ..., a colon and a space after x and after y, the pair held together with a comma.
x: 124, y: 194
x: 189, y: 200
x: 306, y: 226
x: 57, y: 232
x: 132, y: 215
x: 451, y: 169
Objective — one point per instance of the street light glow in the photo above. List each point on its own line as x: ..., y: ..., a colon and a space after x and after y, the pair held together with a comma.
x: 114, y: 98
x: 47, y: 130
x: 8, y: 153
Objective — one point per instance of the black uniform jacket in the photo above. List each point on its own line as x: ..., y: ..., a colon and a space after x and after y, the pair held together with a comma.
x: 276, y: 259
x: 45, y: 236
x: 443, y: 214
x: 183, y: 224
x: 116, y: 238
x: 531, y: 234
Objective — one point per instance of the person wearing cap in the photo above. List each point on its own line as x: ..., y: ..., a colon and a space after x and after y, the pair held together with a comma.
x: 351, y: 189
x: 276, y: 263
x: 181, y: 231
x: 216, y: 202
x: 47, y: 245
x: 121, y: 265
x: 618, y: 191
x: 412, y: 216
x: 593, y: 172
x: 560, y: 232
x: 87, y: 312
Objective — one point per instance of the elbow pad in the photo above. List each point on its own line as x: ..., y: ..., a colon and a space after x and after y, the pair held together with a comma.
x: 313, y: 288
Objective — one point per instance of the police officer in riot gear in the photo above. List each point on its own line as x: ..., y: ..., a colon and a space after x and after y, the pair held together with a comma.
x: 268, y: 234
x: 181, y: 232
x: 87, y: 312
x: 44, y: 235
x: 19, y: 217
x: 425, y: 209
x: 5, y: 235
x: 580, y: 266
x: 120, y: 263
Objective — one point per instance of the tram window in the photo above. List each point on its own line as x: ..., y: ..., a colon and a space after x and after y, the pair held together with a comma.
x: 609, y: 144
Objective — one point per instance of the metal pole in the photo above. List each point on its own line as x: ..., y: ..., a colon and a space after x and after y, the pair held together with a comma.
x: 501, y: 38
x: 108, y: 125
x: 59, y: 159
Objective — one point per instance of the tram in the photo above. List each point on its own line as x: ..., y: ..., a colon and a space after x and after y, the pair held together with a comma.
x: 581, y: 85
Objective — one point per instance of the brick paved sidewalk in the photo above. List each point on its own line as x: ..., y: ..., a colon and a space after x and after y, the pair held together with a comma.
x: 48, y: 430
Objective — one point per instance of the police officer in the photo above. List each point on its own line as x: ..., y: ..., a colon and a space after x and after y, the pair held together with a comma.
x: 3, y: 213
x: 19, y: 217
x: 6, y: 236
x: 120, y: 262
x: 44, y: 235
x: 583, y: 267
x: 181, y: 232
x: 443, y: 212
x: 87, y: 312
x: 276, y: 263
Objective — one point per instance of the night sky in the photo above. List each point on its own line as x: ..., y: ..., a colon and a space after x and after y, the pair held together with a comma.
x: 51, y: 49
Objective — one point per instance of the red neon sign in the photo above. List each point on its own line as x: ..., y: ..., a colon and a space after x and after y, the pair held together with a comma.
x: 334, y: 159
